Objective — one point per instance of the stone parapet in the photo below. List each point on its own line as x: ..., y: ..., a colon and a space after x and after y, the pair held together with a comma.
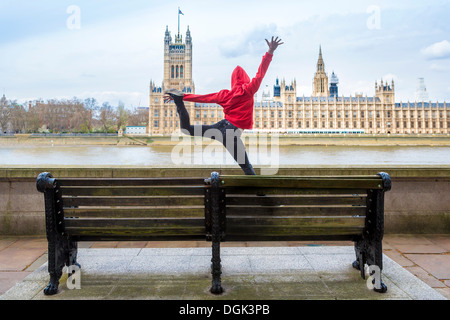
x: 417, y: 203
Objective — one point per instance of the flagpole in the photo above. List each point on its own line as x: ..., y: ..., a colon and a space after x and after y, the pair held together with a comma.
x: 178, y: 21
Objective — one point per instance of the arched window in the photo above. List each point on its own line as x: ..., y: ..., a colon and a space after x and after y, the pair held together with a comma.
x: 181, y: 71
x: 172, y: 74
x: 177, y: 72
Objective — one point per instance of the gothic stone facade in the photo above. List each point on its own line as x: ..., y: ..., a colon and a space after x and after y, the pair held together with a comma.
x: 285, y: 112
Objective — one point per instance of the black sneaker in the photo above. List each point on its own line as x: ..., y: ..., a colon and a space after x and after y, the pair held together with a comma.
x: 175, y: 94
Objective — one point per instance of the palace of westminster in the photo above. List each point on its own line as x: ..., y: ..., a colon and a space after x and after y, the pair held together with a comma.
x: 284, y: 112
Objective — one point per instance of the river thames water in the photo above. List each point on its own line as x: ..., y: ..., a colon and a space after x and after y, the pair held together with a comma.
x: 168, y: 155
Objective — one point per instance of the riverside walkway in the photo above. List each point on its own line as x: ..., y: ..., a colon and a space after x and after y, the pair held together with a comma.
x: 416, y: 267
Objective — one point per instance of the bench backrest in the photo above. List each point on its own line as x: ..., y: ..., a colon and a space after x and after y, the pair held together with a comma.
x: 233, y: 207
x: 296, y: 208
x: 131, y: 208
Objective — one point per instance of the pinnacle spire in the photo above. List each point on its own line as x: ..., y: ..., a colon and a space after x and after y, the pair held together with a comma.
x: 320, y: 63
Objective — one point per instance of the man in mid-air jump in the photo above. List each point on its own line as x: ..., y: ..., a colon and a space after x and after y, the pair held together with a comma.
x: 237, y: 106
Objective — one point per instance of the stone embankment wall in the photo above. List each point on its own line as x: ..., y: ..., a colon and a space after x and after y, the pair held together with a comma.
x: 282, y: 140
x: 417, y: 203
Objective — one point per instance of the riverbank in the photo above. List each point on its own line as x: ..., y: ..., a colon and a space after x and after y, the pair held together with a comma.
x: 249, y: 139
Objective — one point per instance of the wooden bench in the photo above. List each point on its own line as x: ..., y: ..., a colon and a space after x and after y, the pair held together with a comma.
x: 104, y: 209
x: 289, y: 208
x: 218, y: 208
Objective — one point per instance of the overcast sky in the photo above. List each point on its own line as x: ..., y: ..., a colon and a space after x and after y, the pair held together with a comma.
x: 110, y: 49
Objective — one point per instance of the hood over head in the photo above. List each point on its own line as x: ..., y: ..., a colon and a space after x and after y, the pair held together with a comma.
x: 239, y: 77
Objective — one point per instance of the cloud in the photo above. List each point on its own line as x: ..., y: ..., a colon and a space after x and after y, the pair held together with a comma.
x: 250, y: 43
x: 438, y: 50
x: 389, y: 77
x: 439, y: 67
x: 119, y: 48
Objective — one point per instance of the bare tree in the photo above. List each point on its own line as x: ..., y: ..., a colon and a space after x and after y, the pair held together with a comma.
x: 64, y: 115
x: 107, y: 117
x: 122, y: 116
x: 23, y: 121
x: 92, y: 107
x: 5, y: 114
x: 80, y: 118
x: 138, y: 117
x: 68, y: 115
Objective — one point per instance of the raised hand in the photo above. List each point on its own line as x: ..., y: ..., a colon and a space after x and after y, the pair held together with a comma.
x: 273, y: 44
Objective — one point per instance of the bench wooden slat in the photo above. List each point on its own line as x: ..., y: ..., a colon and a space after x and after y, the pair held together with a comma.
x: 230, y: 190
x: 137, y: 232
x: 135, y: 227
x: 294, y: 200
x: 242, y: 233
x: 297, y: 210
x: 301, y: 182
x: 133, y: 191
x: 131, y: 181
x: 294, y: 222
x: 349, y: 235
x: 131, y: 201
x: 136, y: 212
x: 177, y: 223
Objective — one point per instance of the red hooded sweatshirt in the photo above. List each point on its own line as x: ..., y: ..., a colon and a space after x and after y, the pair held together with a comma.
x: 238, y: 102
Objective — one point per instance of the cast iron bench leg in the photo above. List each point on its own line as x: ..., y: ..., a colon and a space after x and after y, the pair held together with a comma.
x: 370, y: 252
x: 57, y: 256
x: 216, y: 271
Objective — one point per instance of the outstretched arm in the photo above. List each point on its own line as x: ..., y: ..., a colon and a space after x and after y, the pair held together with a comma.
x: 256, y: 81
x: 205, y: 98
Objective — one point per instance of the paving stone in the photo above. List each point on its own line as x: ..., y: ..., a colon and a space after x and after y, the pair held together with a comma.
x: 18, y: 259
x: 420, y: 248
x: 415, y: 288
x: 30, y: 243
x: 6, y: 242
x: 437, y: 265
x: 24, y: 290
x: 425, y: 277
x: 108, y: 252
x: 276, y: 263
x: 387, y: 246
x: 442, y: 241
x: 399, y: 258
x: 131, y: 244
x: 10, y: 279
x: 105, y: 244
x: 406, y: 239
x: 38, y: 262
x: 444, y: 291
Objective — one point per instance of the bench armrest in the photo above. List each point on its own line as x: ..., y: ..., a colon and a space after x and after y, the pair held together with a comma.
x: 387, y: 183
x: 44, y: 181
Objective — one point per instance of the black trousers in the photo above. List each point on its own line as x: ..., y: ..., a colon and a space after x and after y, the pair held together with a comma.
x: 224, y: 131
